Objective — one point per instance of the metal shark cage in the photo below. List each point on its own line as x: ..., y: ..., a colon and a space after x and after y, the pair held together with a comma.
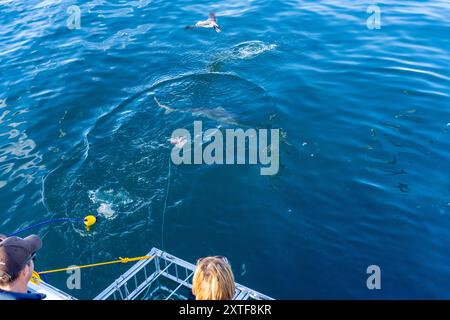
x: 162, y: 277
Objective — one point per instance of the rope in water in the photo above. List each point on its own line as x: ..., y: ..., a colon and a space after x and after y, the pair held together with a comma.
x: 88, y: 221
x: 165, y: 204
x: 36, y: 279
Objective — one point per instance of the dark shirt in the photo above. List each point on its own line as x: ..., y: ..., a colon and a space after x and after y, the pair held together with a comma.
x: 7, y: 295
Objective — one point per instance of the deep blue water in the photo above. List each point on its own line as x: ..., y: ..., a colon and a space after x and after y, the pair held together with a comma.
x: 365, y: 150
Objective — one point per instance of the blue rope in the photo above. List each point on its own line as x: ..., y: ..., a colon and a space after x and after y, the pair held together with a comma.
x: 43, y: 223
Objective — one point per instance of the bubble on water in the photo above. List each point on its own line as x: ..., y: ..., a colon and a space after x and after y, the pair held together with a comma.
x: 250, y: 49
x: 106, y: 211
x: 109, y: 201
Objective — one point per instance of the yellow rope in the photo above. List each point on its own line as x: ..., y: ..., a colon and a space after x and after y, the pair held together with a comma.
x: 120, y: 260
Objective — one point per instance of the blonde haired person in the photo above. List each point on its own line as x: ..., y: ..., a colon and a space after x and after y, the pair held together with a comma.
x: 213, y: 279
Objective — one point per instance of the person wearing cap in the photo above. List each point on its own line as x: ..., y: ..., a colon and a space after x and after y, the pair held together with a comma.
x: 16, y: 267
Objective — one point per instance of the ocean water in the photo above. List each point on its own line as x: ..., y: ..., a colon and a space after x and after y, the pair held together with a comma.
x: 365, y: 146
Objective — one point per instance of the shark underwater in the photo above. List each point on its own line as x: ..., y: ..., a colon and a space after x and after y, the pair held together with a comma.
x: 218, y: 114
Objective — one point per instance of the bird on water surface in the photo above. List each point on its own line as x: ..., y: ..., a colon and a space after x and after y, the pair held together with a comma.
x: 211, y: 22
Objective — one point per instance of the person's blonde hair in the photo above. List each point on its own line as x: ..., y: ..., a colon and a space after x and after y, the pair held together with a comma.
x: 213, y: 279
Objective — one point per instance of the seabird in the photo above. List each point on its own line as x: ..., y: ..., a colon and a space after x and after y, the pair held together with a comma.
x: 210, y: 23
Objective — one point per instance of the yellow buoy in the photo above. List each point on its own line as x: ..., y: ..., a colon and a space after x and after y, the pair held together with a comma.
x: 89, y: 221
x: 35, y: 278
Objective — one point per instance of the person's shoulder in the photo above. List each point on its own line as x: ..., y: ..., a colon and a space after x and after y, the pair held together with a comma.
x: 7, y: 295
